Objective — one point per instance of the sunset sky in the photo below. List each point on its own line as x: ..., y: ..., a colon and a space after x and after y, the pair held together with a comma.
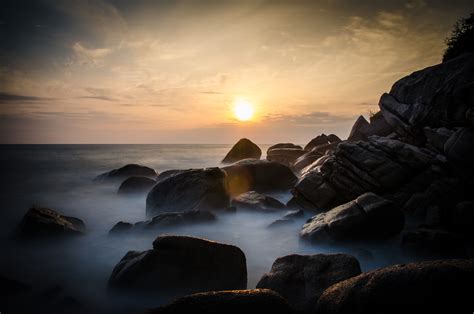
x: 171, y: 71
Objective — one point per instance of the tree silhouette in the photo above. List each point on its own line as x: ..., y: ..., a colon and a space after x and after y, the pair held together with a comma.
x: 461, y: 39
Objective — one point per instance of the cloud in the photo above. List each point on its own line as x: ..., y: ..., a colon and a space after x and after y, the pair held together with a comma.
x: 98, y: 98
x: 311, y: 119
x: 90, y: 56
x: 6, y: 98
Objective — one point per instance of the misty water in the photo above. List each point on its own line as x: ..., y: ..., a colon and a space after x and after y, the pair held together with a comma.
x: 60, y: 177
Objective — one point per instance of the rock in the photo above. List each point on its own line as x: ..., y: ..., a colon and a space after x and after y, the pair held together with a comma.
x: 368, y: 216
x: 243, y: 149
x: 181, y: 218
x: 459, y: 149
x: 438, y: 96
x: 180, y: 265
x: 130, y: 170
x: 45, y: 222
x: 257, y: 202
x: 322, y: 140
x: 301, y: 279
x: 462, y: 218
x: 120, y: 227
x: 286, y: 156
x: 194, y: 189
x: 424, y: 287
x: 433, y: 243
x: 134, y: 185
x: 436, y: 138
x: 228, y: 302
x: 281, y: 222
x: 294, y: 214
x: 258, y: 175
x: 359, y: 130
x: 362, y: 129
x: 306, y: 160
x: 284, y: 145
x: 378, y: 165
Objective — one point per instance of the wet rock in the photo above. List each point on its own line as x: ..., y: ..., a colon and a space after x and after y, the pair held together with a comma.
x: 281, y: 222
x: 368, y: 216
x: 438, y: 96
x: 286, y: 156
x: 194, y: 189
x: 322, y: 139
x: 459, y: 149
x: 379, y: 165
x: 229, y: 302
x: 255, y: 201
x: 306, y: 160
x: 301, y: 279
x: 243, y: 149
x: 121, y: 227
x: 433, y: 243
x: 424, y: 287
x: 181, y: 218
x: 258, y: 175
x: 294, y: 214
x: 130, y: 170
x: 136, y: 185
x: 284, y: 145
x: 45, y: 222
x: 180, y: 265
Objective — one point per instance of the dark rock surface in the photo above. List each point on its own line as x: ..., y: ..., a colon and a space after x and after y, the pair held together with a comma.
x: 286, y: 156
x: 130, y: 170
x: 121, y: 227
x: 228, y: 302
x: 433, y: 243
x: 180, y: 265
x: 294, y: 214
x: 257, y: 202
x: 284, y: 145
x: 459, y: 149
x: 280, y: 223
x: 436, y: 138
x: 45, y: 222
x: 134, y: 185
x: 424, y: 287
x: 361, y: 130
x: 194, y: 189
x: 322, y: 139
x: 462, y: 218
x: 181, y: 218
x: 258, y: 175
x: 368, y: 216
x: 243, y: 149
x: 301, y: 279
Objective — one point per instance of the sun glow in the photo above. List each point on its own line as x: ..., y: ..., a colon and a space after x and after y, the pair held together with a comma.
x: 243, y: 109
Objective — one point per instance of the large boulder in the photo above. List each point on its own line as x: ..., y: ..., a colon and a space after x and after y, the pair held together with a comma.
x: 45, y: 222
x: 130, y: 170
x: 462, y: 218
x: 286, y: 156
x: 180, y: 265
x: 362, y: 129
x: 322, y: 139
x: 437, y: 137
x: 258, y: 175
x: 306, y: 159
x: 243, y: 149
x: 284, y: 145
x: 136, y: 185
x: 368, y: 216
x: 181, y: 218
x: 425, y: 287
x: 257, y: 202
x: 301, y: 279
x: 459, y: 149
x: 194, y: 189
x: 380, y: 165
x: 431, y: 243
x: 438, y: 96
x: 228, y: 302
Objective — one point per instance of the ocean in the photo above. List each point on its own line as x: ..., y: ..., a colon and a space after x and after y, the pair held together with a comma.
x: 61, y: 177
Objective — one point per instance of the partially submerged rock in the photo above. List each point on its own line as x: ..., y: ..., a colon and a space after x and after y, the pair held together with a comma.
x: 368, y: 216
x: 243, y: 149
x: 258, y: 175
x: 194, y: 189
x: 257, y: 202
x: 322, y: 139
x: 181, y: 218
x: 130, y: 170
x: 285, y: 156
x: 136, y: 185
x: 424, y: 287
x: 301, y: 279
x: 228, y: 302
x: 120, y: 228
x: 45, y: 222
x: 180, y: 265
x: 281, y: 222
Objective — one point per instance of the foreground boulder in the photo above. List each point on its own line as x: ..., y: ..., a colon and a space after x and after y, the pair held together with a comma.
x: 368, y: 216
x: 258, y: 175
x: 136, y: 185
x: 45, y: 222
x: 194, y: 189
x: 436, y: 243
x: 438, y: 96
x: 379, y: 165
x: 229, y: 302
x: 425, y: 287
x: 180, y: 265
x: 130, y: 170
x: 243, y: 149
x: 257, y: 202
x: 301, y: 279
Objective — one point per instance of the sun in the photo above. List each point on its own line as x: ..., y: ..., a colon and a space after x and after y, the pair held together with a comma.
x: 243, y: 109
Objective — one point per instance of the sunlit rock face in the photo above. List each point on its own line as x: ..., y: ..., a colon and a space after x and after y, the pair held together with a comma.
x: 423, y: 287
x: 440, y: 95
x: 243, y: 149
x: 180, y: 265
x: 194, y: 189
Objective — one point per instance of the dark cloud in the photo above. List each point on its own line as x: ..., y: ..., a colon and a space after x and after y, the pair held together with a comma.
x: 106, y: 98
x: 6, y: 98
